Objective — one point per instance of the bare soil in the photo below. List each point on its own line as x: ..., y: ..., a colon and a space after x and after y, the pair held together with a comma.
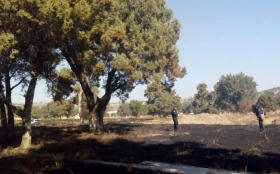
x: 230, y: 142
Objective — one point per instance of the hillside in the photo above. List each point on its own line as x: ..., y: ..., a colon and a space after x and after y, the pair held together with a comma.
x: 275, y: 90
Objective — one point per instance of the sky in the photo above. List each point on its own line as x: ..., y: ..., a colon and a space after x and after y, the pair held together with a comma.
x: 217, y: 37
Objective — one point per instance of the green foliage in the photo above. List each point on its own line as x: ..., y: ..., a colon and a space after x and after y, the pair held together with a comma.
x: 124, y: 42
x: 211, y: 109
x: 124, y: 110
x: 54, y: 109
x: 7, y: 42
x: 59, y: 109
x: 187, y: 105
x: 161, y: 102
x: 39, y: 112
x: 267, y: 100
x: 203, y: 101
x: 115, y: 45
x: 236, y: 93
x: 137, y: 108
x: 270, y: 100
x: 277, y: 101
x: 27, y: 49
x: 62, y: 86
x: 200, y: 103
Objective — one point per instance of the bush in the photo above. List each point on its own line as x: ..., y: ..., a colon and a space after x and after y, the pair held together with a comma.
x: 211, y: 110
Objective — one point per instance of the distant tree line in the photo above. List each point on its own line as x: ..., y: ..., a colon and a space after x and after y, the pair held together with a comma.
x: 232, y: 93
x: 54, y: 109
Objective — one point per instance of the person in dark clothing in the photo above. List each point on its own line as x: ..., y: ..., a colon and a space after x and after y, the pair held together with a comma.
x: 175, y: 118
x: 259, y: 114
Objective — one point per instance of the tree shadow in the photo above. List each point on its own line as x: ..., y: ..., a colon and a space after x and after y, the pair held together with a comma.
x: 62, y: 150
x: 120, y: 129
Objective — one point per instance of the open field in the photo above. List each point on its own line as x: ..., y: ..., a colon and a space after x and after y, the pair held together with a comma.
x: 230, y: 142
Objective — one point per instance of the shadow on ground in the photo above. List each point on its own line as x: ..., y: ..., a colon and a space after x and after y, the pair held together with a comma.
x: 220, y: 147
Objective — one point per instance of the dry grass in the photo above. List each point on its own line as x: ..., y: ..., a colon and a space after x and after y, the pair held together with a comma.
x: 11, y: 151
x: 102, y: 138
x: 51, y: 160
x: 255, y: 149
x: 208, y: 119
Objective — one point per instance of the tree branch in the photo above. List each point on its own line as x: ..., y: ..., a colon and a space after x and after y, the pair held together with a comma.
x: 109, y: 84
x: 15, y: 109
x: 78, y: 69
x: 18, y: 83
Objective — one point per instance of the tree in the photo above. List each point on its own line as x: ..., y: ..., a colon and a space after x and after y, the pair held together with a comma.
x: 80, y: 100
x: 124, y: 110
x: 187, y: 105
x: 3, y: 117
x: 10, y: 68
x: 54, y: 109
x: 25, y: 24
x: 162, y: 102
x: 267, y: 100
x: 111, y: 44
x: 277, y: 100
x: 136, y: 107
x: 235, y: 93
x: 203, y: 101
x: 58, y: 109
x: 125, y: 43
x: 39, y: 112
x: 200, y: 102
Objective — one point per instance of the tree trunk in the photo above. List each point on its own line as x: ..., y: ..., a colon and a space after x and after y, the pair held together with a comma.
x: 80, y: 103
x: 3, y: 111
x: 96, y: 108
x: 78, y: 69
x: 3, y: 120
x: 11, y: 121
x: 96, y: 114
x: 26, y: 138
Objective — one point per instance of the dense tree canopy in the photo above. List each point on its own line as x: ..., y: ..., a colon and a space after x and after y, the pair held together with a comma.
x: 204, y: 100
x: 236, y: 93
x: 277, y: 100
x: 137, y: 108
x: 187, y: 105
x: 270, y: 100
x: 267, y: 100
x: 124, y: 110
x: 26, y: 50
x: 161, y: 102
x: 54, y: 109
x: 111, y: 44
x: 126, y: 43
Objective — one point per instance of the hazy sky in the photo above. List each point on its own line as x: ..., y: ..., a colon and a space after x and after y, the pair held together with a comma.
x: 219, y: 37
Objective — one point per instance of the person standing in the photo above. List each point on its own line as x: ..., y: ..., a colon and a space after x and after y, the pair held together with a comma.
x: 260, y: 116
x: 174, y: 114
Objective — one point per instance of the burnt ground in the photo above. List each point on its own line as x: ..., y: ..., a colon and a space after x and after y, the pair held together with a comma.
x: 60, y: 147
